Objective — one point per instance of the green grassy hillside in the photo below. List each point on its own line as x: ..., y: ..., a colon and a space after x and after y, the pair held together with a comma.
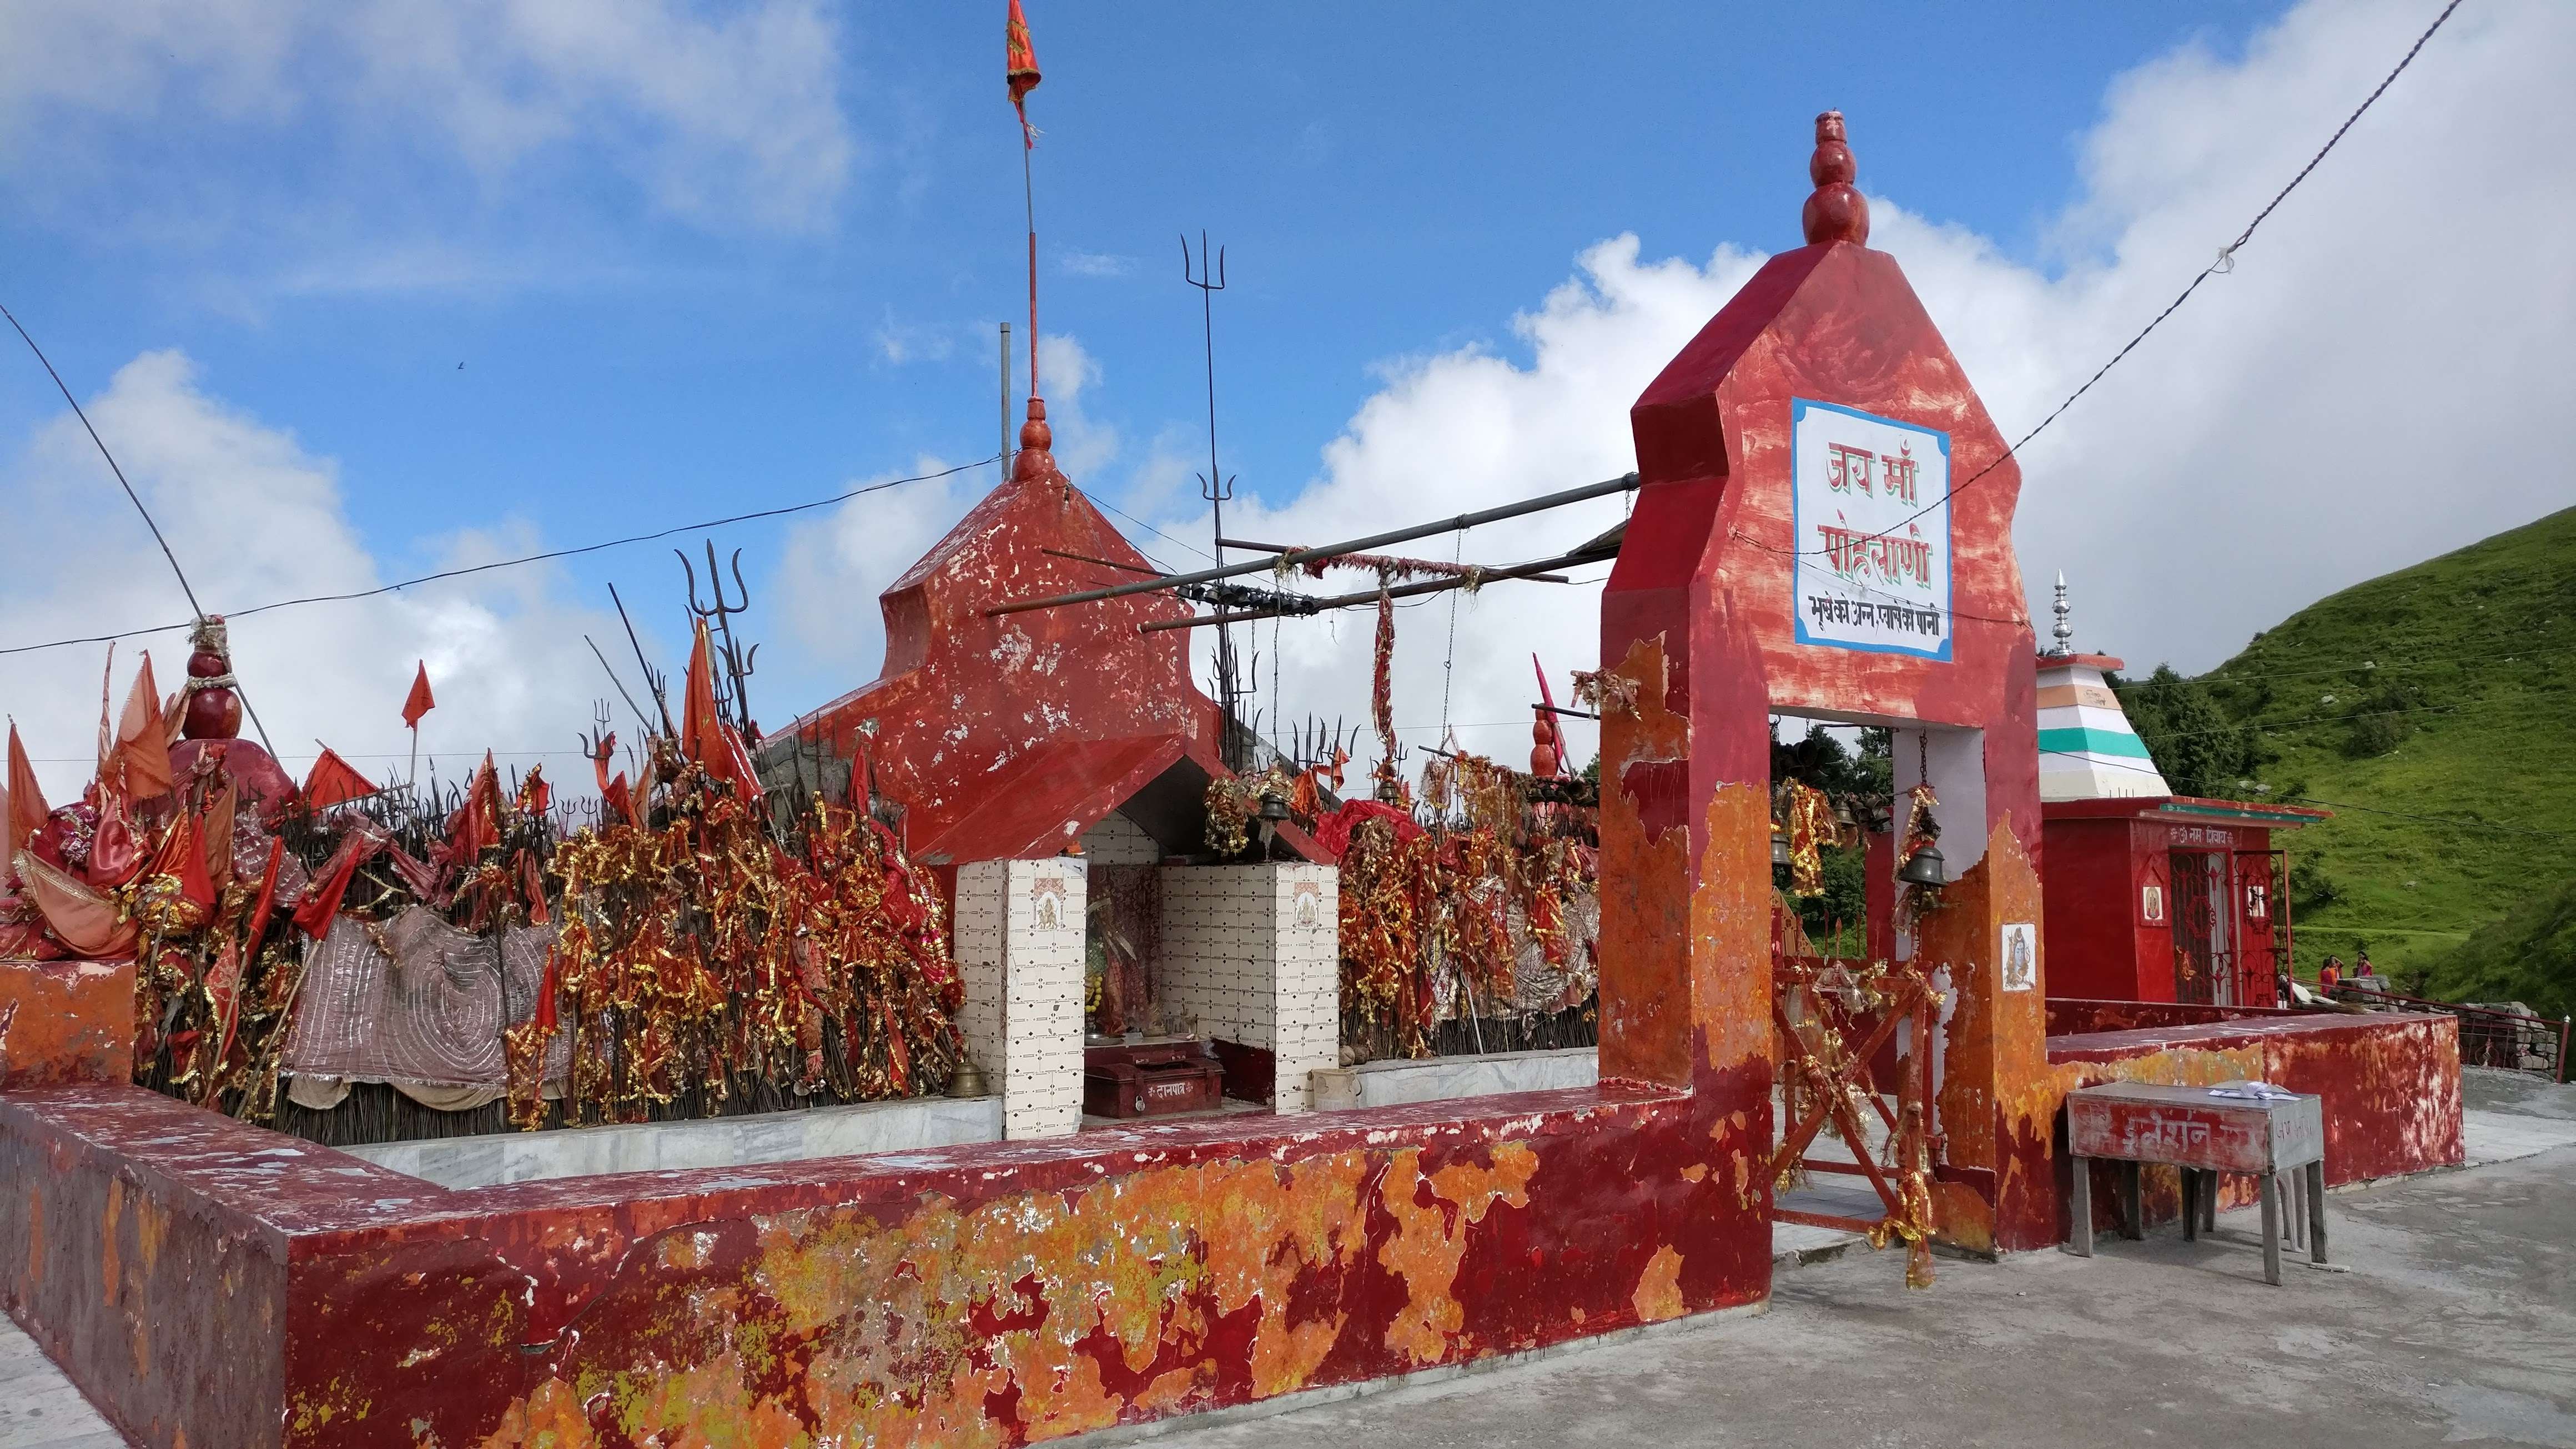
x: 2434, y: 711
x: 2529, y: 956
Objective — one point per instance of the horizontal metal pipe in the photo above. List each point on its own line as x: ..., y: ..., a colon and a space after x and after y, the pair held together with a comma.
x: 1283, y: 548
x: 1103, y: 562
x: 1529, y: 571
x: 1604, y: 488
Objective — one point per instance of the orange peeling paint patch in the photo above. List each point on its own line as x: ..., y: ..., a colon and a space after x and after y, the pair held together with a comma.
x: 549, y: 1418
x: 1076, y: 1401
x: 1730, y: 915
x: 1429, y: 1241
x: 1645, y: 882
x: 1695, y: 1172
x: 107, y: 1266
x: 1659, y: 1288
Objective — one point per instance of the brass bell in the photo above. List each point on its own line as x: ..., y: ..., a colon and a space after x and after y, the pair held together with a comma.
x: 1925, y: 868
x: 1779, y: 846
x: 1274, y: 806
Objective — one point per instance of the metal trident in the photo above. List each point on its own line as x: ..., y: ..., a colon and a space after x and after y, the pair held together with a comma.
x: 601, y: 742
x: 1215, y: 485
x: 738, y: 663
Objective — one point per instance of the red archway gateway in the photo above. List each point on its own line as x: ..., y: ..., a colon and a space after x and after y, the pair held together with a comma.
x: 1824, y: 527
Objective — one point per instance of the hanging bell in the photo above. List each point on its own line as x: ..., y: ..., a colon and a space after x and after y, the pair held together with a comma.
x: 1925, y: 868
x: 1274, y: 806
x: 1779, y: 846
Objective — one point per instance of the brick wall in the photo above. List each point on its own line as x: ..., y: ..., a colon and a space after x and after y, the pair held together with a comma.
x: 1250, y: 954
x: 1019, y: 951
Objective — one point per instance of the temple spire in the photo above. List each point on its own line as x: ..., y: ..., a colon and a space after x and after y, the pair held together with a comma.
x: 1836, y: 211
x: 2063, y: 632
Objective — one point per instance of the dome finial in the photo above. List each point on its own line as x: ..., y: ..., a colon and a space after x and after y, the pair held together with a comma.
x: 1034, y: 461
x: 1836, y: 211
x: 2063, y: 632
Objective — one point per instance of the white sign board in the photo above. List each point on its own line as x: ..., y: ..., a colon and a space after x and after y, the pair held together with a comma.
x: 1870, y: 513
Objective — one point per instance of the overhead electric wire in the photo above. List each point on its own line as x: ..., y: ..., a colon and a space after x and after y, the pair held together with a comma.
x: 1286, y: 561
x: 195, y: 608
x: 555, y: 553
x: 2223, y: 263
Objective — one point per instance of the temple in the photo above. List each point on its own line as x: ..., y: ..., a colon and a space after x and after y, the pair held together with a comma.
x: 2152, y: 896
x: 1015, y: 1047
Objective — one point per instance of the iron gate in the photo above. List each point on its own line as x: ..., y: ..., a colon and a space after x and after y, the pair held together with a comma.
x: 1839, y: 1026
x: 2204, y: 928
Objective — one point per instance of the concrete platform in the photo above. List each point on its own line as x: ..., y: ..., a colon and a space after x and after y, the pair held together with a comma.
x: 2450, y: 1320
x: 908, y: 1125
x: 1434, y: 1079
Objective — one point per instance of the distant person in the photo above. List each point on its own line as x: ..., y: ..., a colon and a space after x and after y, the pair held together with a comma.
x: 2330, y: 975
x: 2363, y: 975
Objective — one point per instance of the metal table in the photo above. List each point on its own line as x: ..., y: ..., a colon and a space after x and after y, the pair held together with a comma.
x: 2278, y: 1140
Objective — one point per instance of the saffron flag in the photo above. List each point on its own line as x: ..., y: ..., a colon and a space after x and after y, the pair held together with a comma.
x: 419, y: 702
x: 26, y: 808
x: 1021, y: 68
x: 333, y: 781
x: 704, y: 735
x: 141, y: 755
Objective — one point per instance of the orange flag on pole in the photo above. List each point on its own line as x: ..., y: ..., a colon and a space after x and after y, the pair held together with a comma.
x: 419, y: 702
x: 334, y: 781
x: 1021, y: 67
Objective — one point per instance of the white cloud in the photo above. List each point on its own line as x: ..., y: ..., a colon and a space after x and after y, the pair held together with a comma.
x: 1464, y: 430
x: 730, y: 122
x: 2379, y: 379
x: 1083, y: 445
x: 1095, y: 264
x: 835, y: 567
x: 254, y: 518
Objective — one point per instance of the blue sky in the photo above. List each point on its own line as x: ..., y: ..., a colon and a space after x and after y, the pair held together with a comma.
x: 700, y: 259
x: 1387, y: 180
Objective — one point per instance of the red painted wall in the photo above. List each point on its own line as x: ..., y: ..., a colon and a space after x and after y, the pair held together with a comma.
x: 2100, y: 943
x: 2092, y: 929
x: 199, y: 1276
x: 2389, y: 1084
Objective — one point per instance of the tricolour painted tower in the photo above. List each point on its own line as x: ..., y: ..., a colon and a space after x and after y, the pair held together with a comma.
x: 2087, y: 750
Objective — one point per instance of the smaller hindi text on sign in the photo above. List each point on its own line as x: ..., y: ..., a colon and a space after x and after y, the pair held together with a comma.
x: 1870, y: 513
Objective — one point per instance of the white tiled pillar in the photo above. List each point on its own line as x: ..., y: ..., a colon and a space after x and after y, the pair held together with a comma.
x: 1306, y: 977
x: 1251, y: 954
x: 1019, y: 952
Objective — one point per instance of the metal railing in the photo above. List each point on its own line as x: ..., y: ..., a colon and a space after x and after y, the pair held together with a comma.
x: 2505, y: 1040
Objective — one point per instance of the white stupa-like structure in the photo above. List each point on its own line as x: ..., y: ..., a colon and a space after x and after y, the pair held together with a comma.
x: 2087, y: 751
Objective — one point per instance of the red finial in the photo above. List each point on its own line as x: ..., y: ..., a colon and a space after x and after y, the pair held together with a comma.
x: 1542, y: 744
x: 1036, y: 437
x: 1837, y: 211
